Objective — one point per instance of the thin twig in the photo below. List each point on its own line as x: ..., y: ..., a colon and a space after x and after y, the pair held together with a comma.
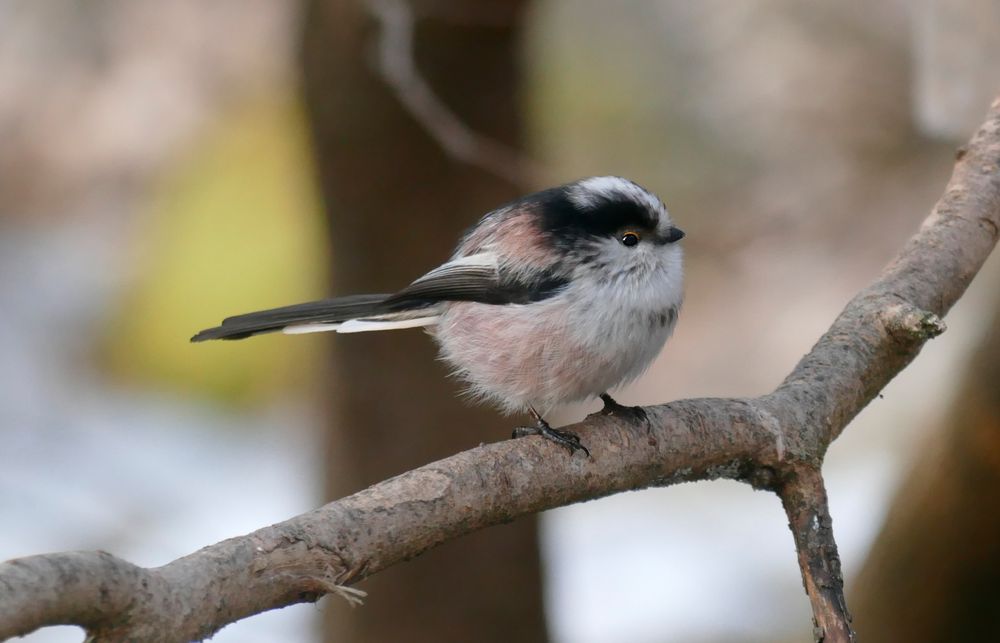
x: 397, y: 67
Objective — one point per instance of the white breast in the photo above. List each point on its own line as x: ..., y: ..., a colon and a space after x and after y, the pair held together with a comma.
x: 597, y: 334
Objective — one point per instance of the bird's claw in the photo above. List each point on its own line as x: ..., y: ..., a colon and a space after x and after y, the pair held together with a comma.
x: 636, y: 414
x: 567, y: 439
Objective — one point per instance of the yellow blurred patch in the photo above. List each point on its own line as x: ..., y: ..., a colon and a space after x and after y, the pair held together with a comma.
x: 236, y: 226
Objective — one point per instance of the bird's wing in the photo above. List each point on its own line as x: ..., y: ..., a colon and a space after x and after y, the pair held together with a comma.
x: 478, y: 278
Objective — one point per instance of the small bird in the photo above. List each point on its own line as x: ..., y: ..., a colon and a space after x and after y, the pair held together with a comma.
x: 557, y: 297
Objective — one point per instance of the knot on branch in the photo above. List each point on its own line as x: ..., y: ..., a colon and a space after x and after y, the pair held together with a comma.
x: 907, y: 323
x: 763, y: 478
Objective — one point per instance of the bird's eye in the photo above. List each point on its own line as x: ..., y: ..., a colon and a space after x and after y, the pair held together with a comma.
x: 629, y: 238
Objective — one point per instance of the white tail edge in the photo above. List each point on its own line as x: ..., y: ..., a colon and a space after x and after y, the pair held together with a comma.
x: 302, y: 329
x: 366, y: 325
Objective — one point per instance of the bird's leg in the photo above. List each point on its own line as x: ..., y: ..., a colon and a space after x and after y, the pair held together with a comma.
x: 567, y: 439
x: 636, y: 414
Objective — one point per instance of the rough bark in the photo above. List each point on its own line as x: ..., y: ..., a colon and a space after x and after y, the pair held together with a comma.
x: 397, y: 201
x: 932, y: 574
x: 767, y: 441
x: 803, y: 496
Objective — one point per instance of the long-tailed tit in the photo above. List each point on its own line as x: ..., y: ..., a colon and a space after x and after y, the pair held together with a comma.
x: 554, y: 298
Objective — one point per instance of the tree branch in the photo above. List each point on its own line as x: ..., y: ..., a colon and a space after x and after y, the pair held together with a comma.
x: 803, y: 496
x: 776, y: 442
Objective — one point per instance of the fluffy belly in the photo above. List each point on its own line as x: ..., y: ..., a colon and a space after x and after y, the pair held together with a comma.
x: 545, y: 355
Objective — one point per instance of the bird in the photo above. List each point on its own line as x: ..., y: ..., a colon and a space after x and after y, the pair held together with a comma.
x: 559, y: 296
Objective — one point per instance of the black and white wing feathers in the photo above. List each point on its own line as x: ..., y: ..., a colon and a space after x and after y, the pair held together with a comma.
x: 479, y: 278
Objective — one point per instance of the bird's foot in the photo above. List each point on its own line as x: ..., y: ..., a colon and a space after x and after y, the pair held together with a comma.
x: 635, y: 414
x: 567, y: 439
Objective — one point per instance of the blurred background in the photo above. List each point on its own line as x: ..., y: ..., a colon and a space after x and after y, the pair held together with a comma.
x: 163, y: 165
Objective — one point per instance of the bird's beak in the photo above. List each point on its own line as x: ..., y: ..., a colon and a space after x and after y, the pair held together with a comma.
x: 674, y: 234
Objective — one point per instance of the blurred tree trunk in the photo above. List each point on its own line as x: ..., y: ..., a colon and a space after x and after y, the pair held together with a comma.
x: 933, y: 574
x: 397, y: 204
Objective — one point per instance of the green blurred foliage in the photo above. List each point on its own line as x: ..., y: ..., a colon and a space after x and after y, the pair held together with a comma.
x: 235, y: 226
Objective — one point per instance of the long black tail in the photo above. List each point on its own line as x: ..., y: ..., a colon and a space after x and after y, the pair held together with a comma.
x: 327, y: 311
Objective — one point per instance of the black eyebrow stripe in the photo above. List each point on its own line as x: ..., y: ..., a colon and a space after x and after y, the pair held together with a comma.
x: 563, y: 217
